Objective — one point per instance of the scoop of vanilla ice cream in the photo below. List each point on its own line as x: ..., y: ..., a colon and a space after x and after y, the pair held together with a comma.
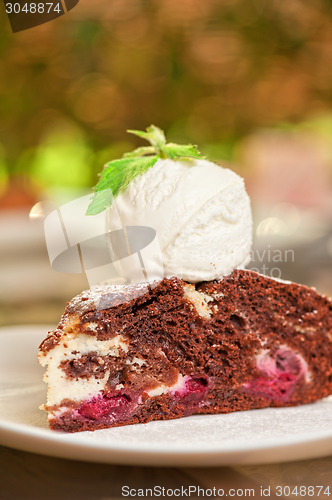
x: 201, y: 214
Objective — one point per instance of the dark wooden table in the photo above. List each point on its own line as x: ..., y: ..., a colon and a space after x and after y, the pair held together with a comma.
x: 26, y: 476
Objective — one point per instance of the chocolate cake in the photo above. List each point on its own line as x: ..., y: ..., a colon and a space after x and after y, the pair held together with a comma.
x: 125, y: 355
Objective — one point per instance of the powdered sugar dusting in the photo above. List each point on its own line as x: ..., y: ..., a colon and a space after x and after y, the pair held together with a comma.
x: 105, y: 296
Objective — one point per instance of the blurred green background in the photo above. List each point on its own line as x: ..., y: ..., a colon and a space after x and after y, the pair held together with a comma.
x: 207, y: 72
x: 249, y: 82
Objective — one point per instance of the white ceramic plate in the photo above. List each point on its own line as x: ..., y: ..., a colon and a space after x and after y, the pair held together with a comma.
x: 257, y: 436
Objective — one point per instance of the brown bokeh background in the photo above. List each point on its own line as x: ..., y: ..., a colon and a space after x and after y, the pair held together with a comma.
x: 249, y: 82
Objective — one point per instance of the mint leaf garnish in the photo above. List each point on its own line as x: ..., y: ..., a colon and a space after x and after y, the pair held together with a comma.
x: 101, y: 200
x: 117, y: 174
x: 145, y: 150
x: 154, y: 135
x: 175, y: 151
x: 115, y: 177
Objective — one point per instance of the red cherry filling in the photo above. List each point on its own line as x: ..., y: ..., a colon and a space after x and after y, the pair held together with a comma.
x: 115, y: 407
x: 194, y: 390
x: 281, y: 372
x: 196, y: 386
x: 104, y: 405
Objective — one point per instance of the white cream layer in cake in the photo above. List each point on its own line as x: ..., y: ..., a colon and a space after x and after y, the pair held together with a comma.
x: 72, y: 347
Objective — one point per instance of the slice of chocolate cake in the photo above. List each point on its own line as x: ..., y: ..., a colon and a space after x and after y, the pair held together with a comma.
x: 125, y: 355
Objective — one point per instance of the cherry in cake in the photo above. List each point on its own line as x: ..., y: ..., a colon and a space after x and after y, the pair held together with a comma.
x: 126, y: 355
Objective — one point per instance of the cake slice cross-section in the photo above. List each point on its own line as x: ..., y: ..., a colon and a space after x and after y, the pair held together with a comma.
x: 127, y: 355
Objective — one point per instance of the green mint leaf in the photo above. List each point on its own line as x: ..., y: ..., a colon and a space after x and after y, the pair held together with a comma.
x: 174, y: 151
x: 154, y: 135
x: 101, y: 200
x: 115, y: 177
x: 117, y: 174
x: 145, y: 150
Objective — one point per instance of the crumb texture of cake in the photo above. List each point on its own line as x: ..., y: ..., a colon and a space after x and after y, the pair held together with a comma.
x: 127, y: 355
